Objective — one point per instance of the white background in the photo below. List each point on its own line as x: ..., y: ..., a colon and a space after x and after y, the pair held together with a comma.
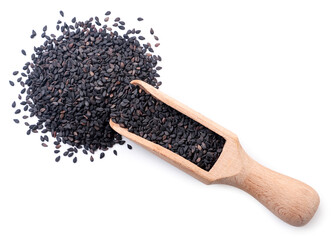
x: 262, y: 69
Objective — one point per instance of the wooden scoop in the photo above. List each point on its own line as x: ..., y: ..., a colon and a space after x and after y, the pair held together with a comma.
x: 291, y: 200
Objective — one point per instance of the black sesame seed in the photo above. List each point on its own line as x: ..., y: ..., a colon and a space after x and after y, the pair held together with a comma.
x: 61, y: 13
x: 129, y: 146
x: 14, y: 104
x: 115, y: 152
x: 75, y: 160
x: 140, y: 19
x: 152, y: 31
x: 169, y: 128
x: 91, y: 158
x: 23, y: 52
x: 70, y: 82
x: 17, y: 111
x: 57, y: 159
x: 107, y: 13
x: 16, y: 121
x: 102, y: 155
x: 33, y: 34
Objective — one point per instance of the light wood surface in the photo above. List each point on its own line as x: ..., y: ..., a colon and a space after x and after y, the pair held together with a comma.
x: 291, y: 200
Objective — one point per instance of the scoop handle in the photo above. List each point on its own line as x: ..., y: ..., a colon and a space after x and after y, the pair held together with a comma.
x: 289, y: 199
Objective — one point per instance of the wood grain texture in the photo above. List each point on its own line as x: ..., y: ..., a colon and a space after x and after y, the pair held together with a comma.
x: 291, y: 200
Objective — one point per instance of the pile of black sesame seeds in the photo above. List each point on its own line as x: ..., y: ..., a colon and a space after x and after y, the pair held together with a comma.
x: 159, y: 123
x: 72, y: 79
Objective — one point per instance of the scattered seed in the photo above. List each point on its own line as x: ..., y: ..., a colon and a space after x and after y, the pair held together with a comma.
x: 16, y: 121
x: 115, y: 152
x: 33, y: 34
x: 57, y: 159
x: 140, y: 19
x: 61, y: 13
x: 91, y: 158
x: 107, y: 13
x: 129, y: 146
x: 152, y: 31
x: 23, y: 52
x: 102, y: 155
x: 44, y: 145
x: 75, y: 159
